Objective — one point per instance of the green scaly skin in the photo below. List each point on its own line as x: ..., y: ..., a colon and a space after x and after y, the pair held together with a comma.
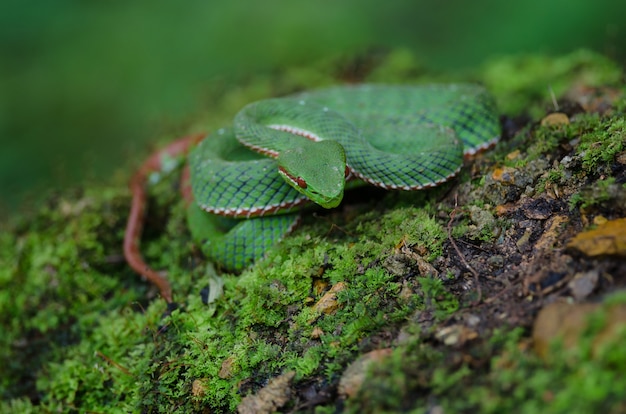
x: 395, y: 137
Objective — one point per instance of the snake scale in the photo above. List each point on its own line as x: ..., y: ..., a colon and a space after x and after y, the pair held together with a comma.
x: 283, y: 153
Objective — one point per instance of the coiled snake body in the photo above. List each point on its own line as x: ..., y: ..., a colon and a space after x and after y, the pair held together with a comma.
x: 395, y: 137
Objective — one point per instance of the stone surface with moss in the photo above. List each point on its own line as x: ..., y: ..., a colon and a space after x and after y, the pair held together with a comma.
x: 419, y: 301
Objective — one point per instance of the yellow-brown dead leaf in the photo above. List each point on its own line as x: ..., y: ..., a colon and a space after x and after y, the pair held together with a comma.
x: 608, y: 239
x: 504, y: 175
x: 548, y: 239
x: 328, y: 303
x: 269, y: 398
x: 556, y: 118
x: 354, y: 376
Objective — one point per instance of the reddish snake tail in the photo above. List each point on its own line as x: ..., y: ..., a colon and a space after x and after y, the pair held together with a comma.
x: 134, y: 226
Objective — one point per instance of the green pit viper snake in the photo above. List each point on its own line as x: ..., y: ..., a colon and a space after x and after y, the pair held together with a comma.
x: 283, y: 153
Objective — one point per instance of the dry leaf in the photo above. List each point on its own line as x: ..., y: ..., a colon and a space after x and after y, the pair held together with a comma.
x: 608, y: 239
x: 353, y: 377
x: 556, y: 118
x: 328, y: 303
x: 548, y: 239
x: 269, y: 398
x: 504, y: 175
x: 570, y: 321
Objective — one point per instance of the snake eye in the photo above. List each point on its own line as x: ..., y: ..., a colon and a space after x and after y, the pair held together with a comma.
x: 347, y: 171
x: 301, y: 183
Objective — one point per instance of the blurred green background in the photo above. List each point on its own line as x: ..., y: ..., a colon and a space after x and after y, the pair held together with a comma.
x: 84, y: 85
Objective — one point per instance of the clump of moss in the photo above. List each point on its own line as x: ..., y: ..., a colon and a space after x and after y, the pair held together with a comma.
x: 604, y: 193
x: 528, y: 84
x: 59, y: 273
x: 416, y: 378
x: 582, y: 154
x: 271, y: 327
x: 599, y: 148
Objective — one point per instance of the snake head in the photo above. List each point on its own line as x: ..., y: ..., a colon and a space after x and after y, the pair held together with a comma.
x: 317, y: 170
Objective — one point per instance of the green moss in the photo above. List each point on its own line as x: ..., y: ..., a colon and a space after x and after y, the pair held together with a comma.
x: 414, y: 377
x: 548, y: 138
x: 438, y: 298
x: 528, y: 83
x: 573, y: 381
x: 18, y: 405
x: 594, y: 196
x: 55, y: 278
x: 258, y: 304
x: 598, y: 148
x: 600, y: 140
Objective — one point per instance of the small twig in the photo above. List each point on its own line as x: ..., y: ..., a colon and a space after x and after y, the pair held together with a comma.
x: 553, y: 97
x: 474, y: 246
x: 115, y: 364
x: 333, y: 226
x: 500, y: 293
x: 458, y: 251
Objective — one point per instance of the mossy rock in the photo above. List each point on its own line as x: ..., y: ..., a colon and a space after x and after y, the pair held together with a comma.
x: 409, y: 275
